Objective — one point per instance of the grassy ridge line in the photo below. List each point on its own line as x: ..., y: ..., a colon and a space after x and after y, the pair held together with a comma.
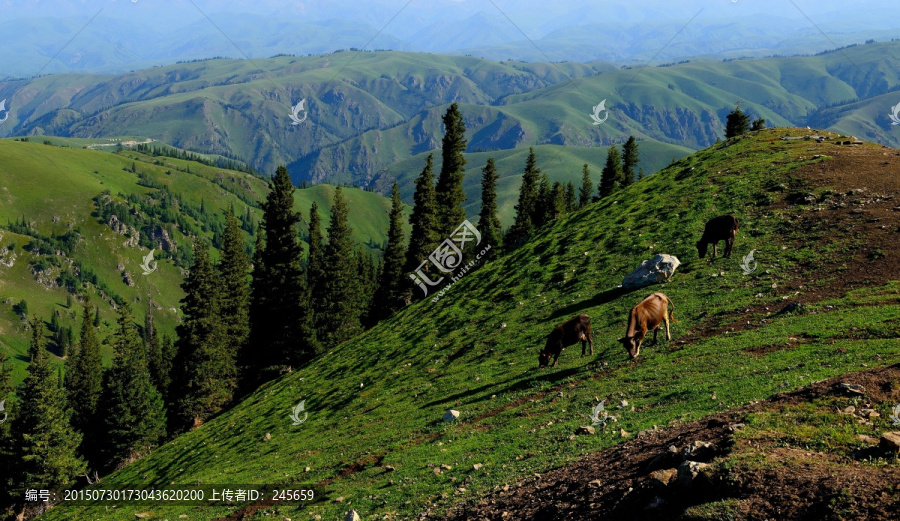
x: 223, y: 106
x: 378, y: 399
x: 54, y: 188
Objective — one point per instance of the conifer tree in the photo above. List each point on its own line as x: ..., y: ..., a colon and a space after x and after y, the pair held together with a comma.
x: 629, y: 160
x: 315, y: 275
x: 424, y: 220
x: 133, y: 415
x: 234, y: 288
x: 368, y: 277
x: 488, y: 222
x: 84, y: 385
x: 341, y: 314
x: 758, y: 124
x: 6, y: 385
x: 640, y: 174
x: 43, y: 444
x: 523, y: 226
x: 205, y: 367
x: 449, y: 193
x: 544, y: 209
x: 587, y: 187
x: 155, y: 354
x: 392, y: 282
x: 736, y: 123
x: 97, y: 316
x: 611, y: 173
x: 571, y: 203
x: 281, y: 328
x: 557, y: 202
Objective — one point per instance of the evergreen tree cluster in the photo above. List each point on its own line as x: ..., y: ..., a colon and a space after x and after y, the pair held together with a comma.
x: 618, y: 172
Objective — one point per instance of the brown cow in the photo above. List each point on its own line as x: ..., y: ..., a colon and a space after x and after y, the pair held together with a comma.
x: 721, y: 228
x: 576, y: 329
x: 649, y: 314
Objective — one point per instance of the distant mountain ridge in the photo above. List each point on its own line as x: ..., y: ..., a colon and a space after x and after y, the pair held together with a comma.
x: 369, y: 111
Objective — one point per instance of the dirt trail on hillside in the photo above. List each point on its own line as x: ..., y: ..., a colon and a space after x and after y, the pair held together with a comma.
x: 615, y: 484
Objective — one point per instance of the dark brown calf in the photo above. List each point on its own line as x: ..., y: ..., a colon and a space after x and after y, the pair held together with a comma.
x: 646, y: 316
x: 576, y: 329
x: 721, y: 228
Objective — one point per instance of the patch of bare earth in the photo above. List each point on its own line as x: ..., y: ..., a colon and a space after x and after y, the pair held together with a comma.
x: 624, y: 482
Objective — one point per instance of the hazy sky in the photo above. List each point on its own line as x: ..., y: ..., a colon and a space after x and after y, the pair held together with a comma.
x: 109, y: 35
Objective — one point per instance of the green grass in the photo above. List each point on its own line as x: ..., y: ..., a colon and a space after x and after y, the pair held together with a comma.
x: 53, y: 188
x: 378, y: 399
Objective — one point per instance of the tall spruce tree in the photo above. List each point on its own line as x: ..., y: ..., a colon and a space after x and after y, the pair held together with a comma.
x: 341, y: 314
x: 84, y: 385
x: 587, y: 187
x: 488, y: 222
x: 281, y: 327
x: 629, y: 160
x: 6, y: 385
x: 43, y: 444
x: 543, y: 211
x: 612, y: 172
x: 368, y: 276
x: 392, y: 285
x: 736, y: 123
x: 133, y: 414
x: 315, y: 275
x: 523, y: 226
x: 557, y: 202
x: 234, y: 289
x: 571, y: 203
x: 449, y: 192
x: 155, y: 364
x: 425, y: 236
x: 205, y: 364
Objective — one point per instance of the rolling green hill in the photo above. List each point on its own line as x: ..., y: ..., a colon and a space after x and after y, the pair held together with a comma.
x: 374, y: 440
x: 369, y: 111
x: 68, y: 246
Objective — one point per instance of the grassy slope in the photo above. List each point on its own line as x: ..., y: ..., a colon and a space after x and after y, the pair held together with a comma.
x: 54, y: 187
x: 378, y: 399
x: 563, y: 164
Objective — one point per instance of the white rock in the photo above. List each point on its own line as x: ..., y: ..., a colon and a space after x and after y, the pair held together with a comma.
x: 351, y: 516
x: 658, y: 269
x: 451, y: 415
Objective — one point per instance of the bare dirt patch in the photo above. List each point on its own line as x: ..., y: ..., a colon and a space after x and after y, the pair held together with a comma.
x: 795, y: 484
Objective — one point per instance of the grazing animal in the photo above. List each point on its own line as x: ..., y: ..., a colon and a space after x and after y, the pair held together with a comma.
x: 721, y: 228
x: 576, y: 329
x: 646, y: 316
